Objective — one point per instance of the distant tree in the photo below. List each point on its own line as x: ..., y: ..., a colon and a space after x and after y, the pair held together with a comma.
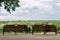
x: 10, y: 4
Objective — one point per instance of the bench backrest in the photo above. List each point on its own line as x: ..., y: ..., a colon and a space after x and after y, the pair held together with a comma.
x: 38, y: 27
x: 13, y: 27
x: 50, y: 27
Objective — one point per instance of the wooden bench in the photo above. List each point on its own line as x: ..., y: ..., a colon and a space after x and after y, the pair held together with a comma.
x: 45, y: 29
x: 15, y: 28
x: 37, y: 28
x: 50, y: 28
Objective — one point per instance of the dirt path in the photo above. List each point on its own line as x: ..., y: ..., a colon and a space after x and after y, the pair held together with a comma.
x: 30, y: 37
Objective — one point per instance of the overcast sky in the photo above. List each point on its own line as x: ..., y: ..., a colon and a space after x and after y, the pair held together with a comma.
x: 33, y: 10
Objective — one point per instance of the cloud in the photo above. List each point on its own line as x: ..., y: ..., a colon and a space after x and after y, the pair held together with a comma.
x: 33, y: 10
x: 45, y: 0
x: 30, y: 4
x: 11, y: 18
x: 58, y: 4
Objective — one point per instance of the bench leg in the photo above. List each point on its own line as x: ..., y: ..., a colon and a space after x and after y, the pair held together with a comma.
x: 55, y: 32
x: 3, y: 32
x: 15, y: 33
x: 45, y: 33
x: 32, y: 32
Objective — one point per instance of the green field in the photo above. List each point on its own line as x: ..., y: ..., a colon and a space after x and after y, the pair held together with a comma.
x: 29, y: 23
